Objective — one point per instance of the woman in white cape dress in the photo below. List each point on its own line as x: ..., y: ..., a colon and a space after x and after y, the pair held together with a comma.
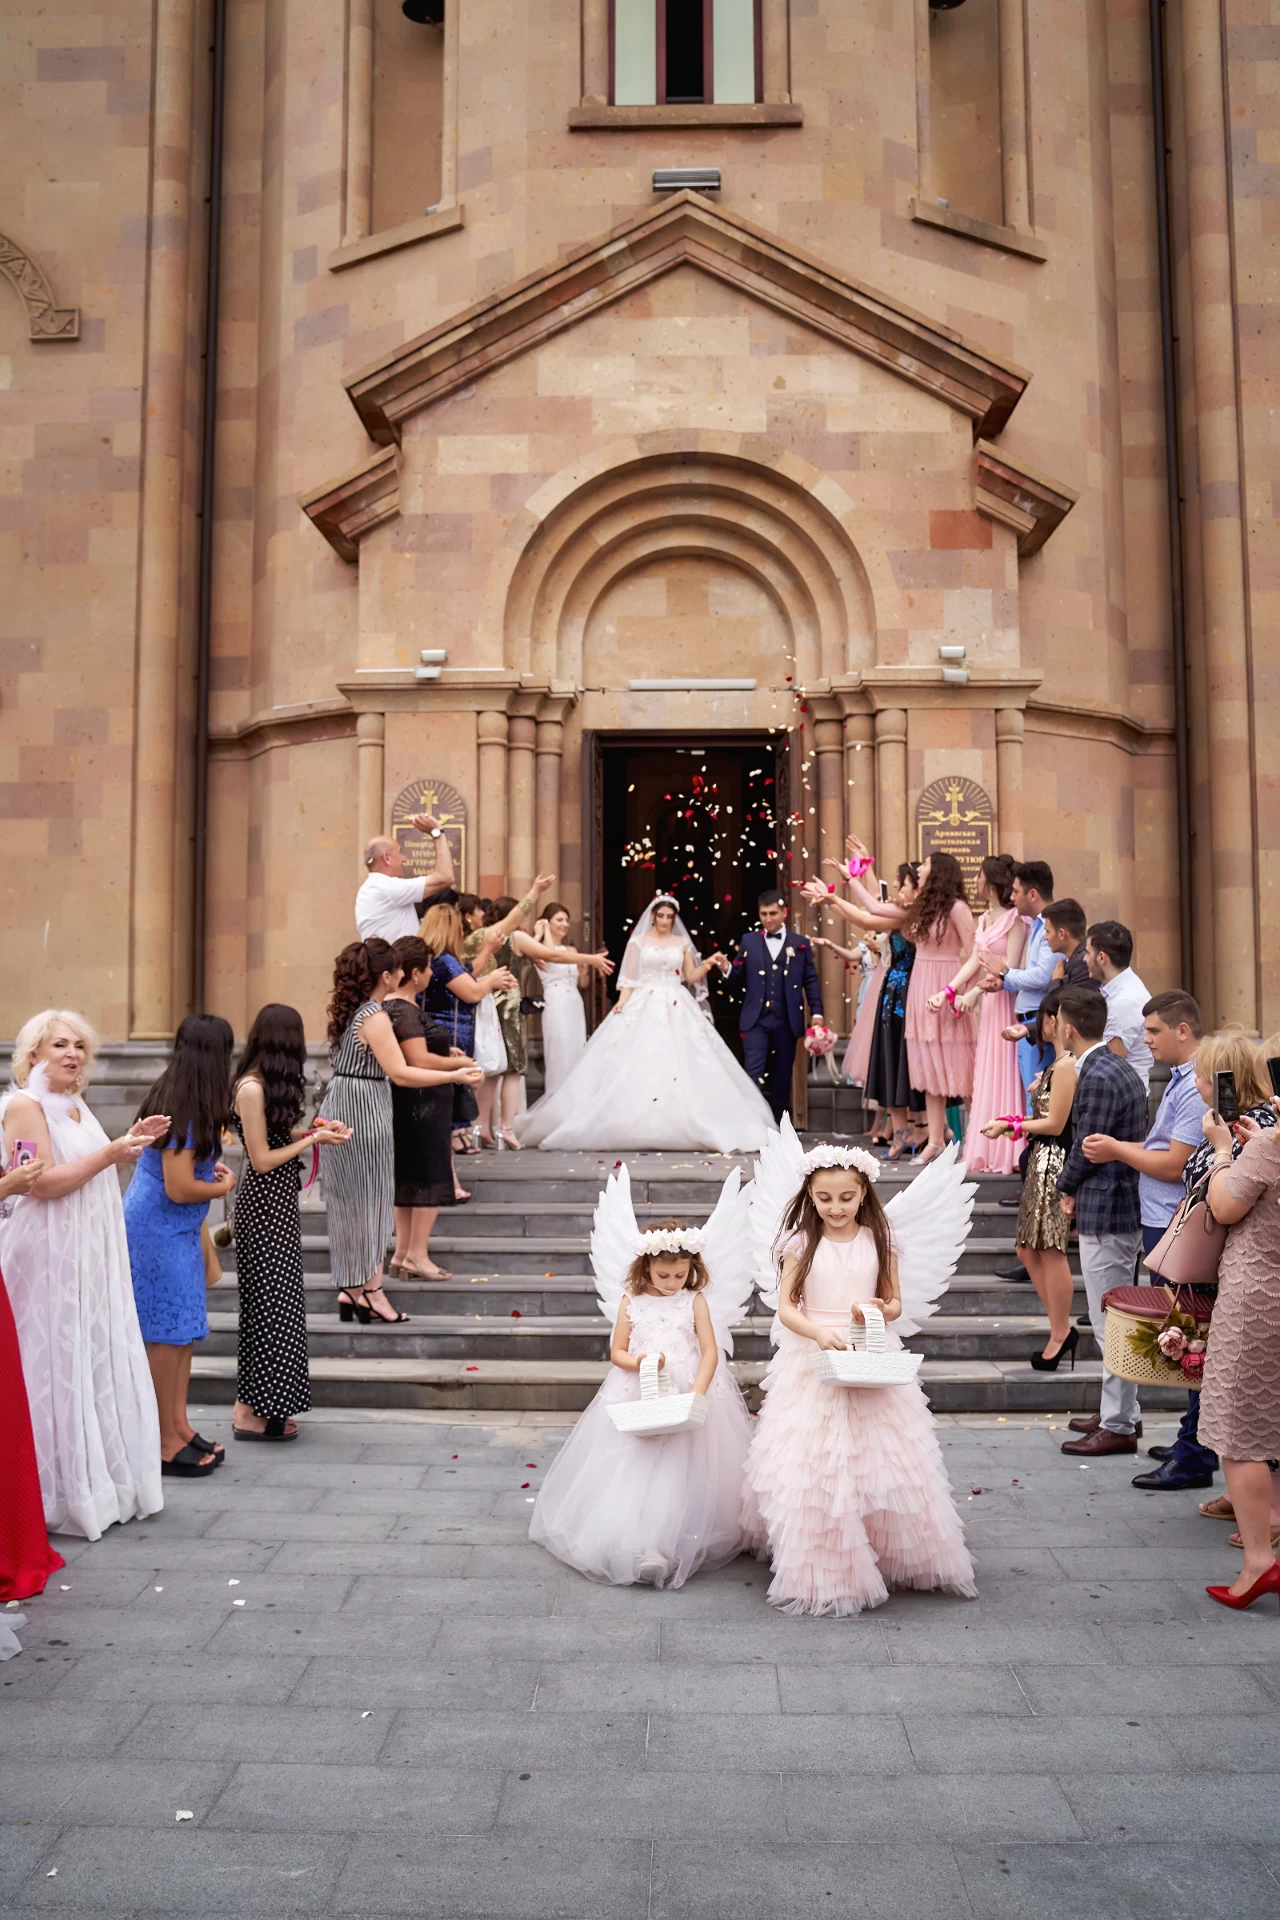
x: 655, y: 1074
x: 66, y: 1266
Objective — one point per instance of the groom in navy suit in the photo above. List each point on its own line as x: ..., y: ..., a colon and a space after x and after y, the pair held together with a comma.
x: 775, y: 969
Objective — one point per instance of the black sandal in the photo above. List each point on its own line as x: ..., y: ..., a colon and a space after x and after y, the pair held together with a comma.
x: 275, y: 1429
x: 214, y: 1447
x: 392, y: 1319
x: 187, y: 1464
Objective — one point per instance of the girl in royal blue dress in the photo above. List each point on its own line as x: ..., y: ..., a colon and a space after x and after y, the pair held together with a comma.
x: 164, y: 1210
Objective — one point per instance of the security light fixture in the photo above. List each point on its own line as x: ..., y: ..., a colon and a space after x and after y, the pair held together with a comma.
x: 698, y: 179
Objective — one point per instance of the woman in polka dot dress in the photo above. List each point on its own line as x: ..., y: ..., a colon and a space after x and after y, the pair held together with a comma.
x: 273, y: 1380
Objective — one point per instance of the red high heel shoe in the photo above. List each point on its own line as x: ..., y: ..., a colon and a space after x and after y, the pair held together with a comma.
x: 1268, y: 1582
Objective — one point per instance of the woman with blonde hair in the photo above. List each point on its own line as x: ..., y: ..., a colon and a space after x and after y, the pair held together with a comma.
x: 66, y: 1266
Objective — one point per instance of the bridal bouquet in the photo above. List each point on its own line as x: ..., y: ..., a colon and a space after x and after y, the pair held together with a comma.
x: 818, y: 1040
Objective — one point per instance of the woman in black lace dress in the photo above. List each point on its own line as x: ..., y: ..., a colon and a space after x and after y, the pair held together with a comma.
x: 273, y: 1379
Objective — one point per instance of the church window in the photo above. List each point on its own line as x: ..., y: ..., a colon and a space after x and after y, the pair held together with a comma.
x: 685, y: 52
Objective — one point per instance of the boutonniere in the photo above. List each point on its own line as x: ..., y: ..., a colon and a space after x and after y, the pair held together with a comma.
x: 789, y: 954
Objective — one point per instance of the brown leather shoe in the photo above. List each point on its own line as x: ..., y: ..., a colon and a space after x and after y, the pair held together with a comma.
x: 1102, y: 1440
x: 1090, y: 1422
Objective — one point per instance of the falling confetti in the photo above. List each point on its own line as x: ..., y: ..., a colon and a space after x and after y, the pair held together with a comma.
x: 184, y: 1813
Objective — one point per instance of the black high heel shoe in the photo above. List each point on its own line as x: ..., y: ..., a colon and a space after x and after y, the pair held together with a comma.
x: 392, y: 1319
x: 352, y: 1309
x: 1069, y: 1345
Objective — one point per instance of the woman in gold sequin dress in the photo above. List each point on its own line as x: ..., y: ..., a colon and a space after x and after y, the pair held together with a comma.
x: 1043, y: 1228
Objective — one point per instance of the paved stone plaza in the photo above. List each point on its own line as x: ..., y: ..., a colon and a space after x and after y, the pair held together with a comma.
x: 373, y: 1696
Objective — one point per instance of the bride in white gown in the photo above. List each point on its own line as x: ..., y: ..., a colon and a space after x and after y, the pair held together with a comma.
x: 655, y: 1073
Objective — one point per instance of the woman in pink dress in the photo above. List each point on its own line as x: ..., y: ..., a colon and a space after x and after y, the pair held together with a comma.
x: 940, y: 1046
x: 1000, y: 936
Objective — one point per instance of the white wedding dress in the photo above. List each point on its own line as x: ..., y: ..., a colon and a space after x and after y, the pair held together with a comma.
x: 564, y: 1021
x: 655, y: 1074
x: 93, y: 1407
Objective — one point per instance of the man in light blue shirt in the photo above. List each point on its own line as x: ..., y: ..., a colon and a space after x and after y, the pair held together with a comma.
x: 1032, y: 892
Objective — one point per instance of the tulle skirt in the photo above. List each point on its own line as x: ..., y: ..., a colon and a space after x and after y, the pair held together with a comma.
x: 621, y: 1508
x: 940, y: 1046
x: 858, y: 1052
x: 852, y: 1490
x: 997, y: 1088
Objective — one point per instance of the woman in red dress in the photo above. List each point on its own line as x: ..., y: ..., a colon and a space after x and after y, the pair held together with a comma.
x: 26, y: 1558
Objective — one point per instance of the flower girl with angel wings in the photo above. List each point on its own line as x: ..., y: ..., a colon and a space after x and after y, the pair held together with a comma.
x: 849, y: 1480
x: 628, y: 1508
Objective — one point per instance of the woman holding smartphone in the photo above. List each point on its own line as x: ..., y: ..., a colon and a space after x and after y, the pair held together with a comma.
x: 66, y: 1267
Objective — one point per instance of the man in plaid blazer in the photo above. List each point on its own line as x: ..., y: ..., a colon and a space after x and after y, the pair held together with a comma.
x: 1103, y: 1196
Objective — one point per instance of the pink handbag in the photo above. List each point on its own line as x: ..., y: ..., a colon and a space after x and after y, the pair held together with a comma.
x: 1188, y: 1252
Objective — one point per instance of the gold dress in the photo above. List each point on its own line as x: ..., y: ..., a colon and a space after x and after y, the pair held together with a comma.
x: 1042, y: 1225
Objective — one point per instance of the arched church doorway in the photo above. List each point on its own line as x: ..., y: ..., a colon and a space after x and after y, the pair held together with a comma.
x: 700, y: 816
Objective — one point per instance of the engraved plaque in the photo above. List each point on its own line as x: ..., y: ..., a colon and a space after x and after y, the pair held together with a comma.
x: 445, y: 804
x: 954, y: 815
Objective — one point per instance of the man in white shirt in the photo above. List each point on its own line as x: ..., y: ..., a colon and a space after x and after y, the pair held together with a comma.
x: 389, y: 903
x: 1108, y: 951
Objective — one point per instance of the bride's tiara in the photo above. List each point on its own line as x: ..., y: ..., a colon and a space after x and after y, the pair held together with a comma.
x: 856, y: 1159
x: 671, y: 1240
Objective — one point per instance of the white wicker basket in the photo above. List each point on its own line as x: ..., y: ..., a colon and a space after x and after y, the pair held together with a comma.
x: 660, y: 1409
x: 869, y: 1363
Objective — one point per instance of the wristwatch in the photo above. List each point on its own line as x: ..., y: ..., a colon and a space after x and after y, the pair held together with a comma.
x: 437, y: 833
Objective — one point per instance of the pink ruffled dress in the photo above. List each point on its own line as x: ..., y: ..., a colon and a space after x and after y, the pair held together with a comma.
x: 849, y: 1481
x: 940, y: 1046
x: 997, y: 1087
x: 857, y: 1055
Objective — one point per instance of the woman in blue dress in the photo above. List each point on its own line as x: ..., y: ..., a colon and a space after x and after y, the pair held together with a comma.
x: 164, y: 1209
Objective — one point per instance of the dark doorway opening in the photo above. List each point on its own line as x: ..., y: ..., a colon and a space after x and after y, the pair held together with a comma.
x: 700, y: 816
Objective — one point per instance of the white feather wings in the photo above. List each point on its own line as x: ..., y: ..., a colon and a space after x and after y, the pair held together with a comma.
x: 727, y: 1251
x: 930, y: 1223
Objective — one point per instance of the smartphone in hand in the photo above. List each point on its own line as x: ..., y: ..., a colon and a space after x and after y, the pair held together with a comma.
x: 24, y: 1152
x: 1225, y: 1097
x: 1273, y: 1068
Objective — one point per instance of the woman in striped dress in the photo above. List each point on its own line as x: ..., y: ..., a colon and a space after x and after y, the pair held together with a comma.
x: 359, y: 1184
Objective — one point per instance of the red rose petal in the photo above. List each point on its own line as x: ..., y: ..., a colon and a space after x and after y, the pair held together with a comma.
x: 472, y: 1369
x: 453, y: 1456
x: 515, y: 1313
x: 523, y: 1485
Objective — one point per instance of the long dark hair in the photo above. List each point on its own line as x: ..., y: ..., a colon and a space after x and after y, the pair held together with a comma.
x: 356, y: 972
x: 803, y: 1218
x: 931, y: 909
x: 276, y: 1054
x: 195, y: 1088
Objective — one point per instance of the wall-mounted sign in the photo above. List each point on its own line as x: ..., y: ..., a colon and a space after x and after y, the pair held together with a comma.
x: 445, y: 804
x: 954, y: 815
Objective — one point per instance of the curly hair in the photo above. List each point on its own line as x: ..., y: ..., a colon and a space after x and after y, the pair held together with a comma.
x: 803, y: 1219
x: 275, y: 1053
x: 356, y: 972
x: 637, y: 1276
x: 413, y: 953
x: 34, y: 1032
x: 931, y: 909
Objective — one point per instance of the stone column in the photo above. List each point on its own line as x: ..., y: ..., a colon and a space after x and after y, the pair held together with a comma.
x: 775, y: 50
x: 1009, y: 728
x: 595, y: 65
x: 550, y: 750
x: 521, y: 739
x: 892, y: 840
x: 1013, y: 116
x: 1225, y: 634
x: 924, y: 109
x: 491, y: 832
x: 359, y: 120
x: 371, y: 732
x: 154, y: 995
x: 828, y: 736
x: 860, y: 778
x: 449, y: 118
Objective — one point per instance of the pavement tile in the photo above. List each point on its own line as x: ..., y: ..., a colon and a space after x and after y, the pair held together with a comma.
x: 630, y: 1686
x: 935, y: 1690
x: 250, y: 1730
x: 1230, y: 1740
x: 1092, y: 1564
x: 1131, y: 1881
x: 585, y: 1599
x: 480, y: 1476
x: 390, y: 1594
x: 480, y: 1636
x: 158, y: 1628
x: 957, y: 1641
x: 287, y: 1796
x: 393, y: 1682
x: 156, y: 1551
x: 271, y: 1528
x: 515, y: 1741
x: 189, y: 1869
x: 776, y: 1743
x: 775, y: 1636
x: 257, y: 1631
x: 120, y: 1791
x: 198, y: 1676
x: 578, y: 1806
x: 23, y: 1849
x: 1243, y: 1638
x: 448, y: 1878
x: 91, y: 1585
x: 747, y: 1881
x: 67, y: 1727
x: 292, y: 1593
x: 230, y: 1492
x: 402, y: 1503
x: 337, y: 1478
x: 36, y: 1675
x: 1243, y: 1807
x: 1046, y: 1745
x: 1148, y: 1693
x: 913, y: 1807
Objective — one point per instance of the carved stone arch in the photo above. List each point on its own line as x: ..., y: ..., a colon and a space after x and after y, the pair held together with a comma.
x: 585, y: 528
x: 45, y: 319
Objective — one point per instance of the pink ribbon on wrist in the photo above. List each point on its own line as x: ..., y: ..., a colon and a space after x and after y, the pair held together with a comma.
x: 315, y: 1166
x: 857, y: 867
x: 1013, y: 1120
x: 949, y: 994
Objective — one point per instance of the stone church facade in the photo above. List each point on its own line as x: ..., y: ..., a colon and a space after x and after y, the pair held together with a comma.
x: 498, y: 455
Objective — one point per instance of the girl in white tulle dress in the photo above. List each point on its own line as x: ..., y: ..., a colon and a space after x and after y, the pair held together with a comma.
x: 850, y: 1481
x: 625, y: 1508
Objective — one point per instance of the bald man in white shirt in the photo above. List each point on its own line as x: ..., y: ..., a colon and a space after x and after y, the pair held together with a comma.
x: 389, y: 903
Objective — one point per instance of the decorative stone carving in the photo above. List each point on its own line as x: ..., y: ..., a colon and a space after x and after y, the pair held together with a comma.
x: 45, y: 319
x: 955, y: 815
x: 445, y: 804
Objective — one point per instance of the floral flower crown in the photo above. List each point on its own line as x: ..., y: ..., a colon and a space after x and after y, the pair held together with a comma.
x: 857, y: 1159
x: 671, y: 1240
